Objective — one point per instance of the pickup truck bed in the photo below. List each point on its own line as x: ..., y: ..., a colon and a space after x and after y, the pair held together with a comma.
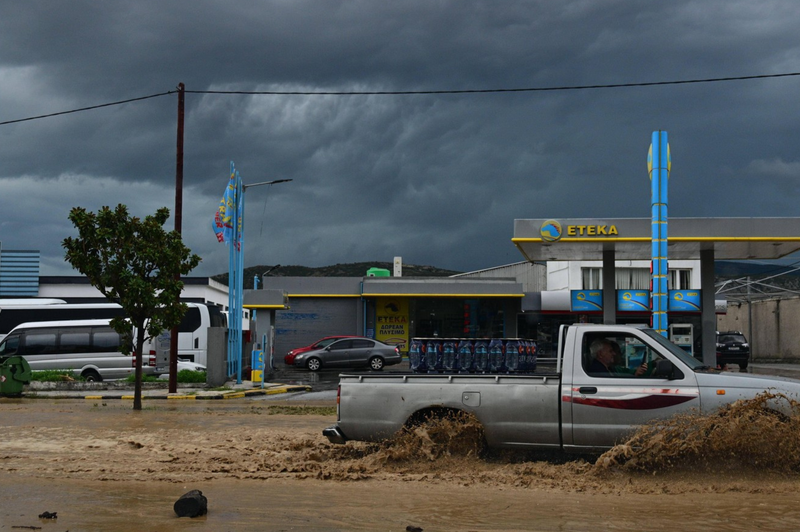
x: 508, y: 406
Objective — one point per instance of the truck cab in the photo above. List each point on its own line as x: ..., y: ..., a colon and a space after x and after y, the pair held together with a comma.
x: 649, y: 377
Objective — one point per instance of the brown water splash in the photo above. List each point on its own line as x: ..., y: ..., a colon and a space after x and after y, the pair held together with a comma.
x: 761, y: 434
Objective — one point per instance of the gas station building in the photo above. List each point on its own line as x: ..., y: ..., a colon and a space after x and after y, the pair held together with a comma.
x: 592, y: 253
x: 630, y: 239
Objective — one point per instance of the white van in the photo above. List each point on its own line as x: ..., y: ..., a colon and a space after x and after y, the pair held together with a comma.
x: 88, y: 348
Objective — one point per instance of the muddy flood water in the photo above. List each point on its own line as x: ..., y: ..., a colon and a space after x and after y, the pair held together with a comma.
x: 264, y: 465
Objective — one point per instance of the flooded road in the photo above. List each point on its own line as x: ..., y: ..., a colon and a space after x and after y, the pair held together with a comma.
x: 265, y: 466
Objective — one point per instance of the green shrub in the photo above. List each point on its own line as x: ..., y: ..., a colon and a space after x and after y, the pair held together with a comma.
x: 187, y: 375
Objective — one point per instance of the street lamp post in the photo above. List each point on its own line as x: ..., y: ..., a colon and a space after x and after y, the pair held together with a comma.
x: 236, y: 274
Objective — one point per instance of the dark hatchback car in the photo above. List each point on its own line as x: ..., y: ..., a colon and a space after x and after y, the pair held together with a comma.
x: 350, y: 353
x: 732, y: 348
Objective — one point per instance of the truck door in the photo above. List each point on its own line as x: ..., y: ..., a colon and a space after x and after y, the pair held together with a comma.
x: 612, y: 394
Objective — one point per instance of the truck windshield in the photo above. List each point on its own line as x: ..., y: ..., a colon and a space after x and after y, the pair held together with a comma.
x: 684, y: 357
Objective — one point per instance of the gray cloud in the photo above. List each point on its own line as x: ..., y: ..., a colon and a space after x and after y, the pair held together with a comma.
x: 437, y: 179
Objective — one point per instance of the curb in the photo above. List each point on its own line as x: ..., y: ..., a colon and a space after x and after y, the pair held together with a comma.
x: 195, y: 396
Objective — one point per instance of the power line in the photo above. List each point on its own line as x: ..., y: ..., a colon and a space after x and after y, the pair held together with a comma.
x: 479, y: 91
x: 421, y: 92
x: 86, y: 108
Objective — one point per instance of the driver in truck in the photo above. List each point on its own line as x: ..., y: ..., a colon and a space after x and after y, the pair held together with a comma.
x: 607, y: 361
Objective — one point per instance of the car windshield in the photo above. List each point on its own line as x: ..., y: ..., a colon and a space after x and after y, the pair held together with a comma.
x: 684, y: 357
x: 731, y: 339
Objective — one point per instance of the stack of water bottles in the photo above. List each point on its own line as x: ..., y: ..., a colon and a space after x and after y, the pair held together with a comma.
x: 472, y: 355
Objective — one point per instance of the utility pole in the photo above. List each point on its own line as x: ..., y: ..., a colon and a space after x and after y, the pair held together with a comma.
x: 173, y: 337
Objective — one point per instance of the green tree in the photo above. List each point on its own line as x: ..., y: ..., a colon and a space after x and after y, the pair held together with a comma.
x: 134, y: 263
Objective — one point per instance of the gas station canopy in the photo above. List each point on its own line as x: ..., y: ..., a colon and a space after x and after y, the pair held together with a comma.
x: 570, y: 239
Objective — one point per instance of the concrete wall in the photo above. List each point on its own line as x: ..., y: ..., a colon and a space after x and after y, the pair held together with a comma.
x: 773, y: 334
x: 216, y: 366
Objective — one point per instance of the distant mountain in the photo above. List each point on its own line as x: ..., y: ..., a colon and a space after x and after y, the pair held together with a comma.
x: 353, y: 269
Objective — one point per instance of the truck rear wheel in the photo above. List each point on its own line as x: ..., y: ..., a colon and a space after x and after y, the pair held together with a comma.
x: 446, y: 432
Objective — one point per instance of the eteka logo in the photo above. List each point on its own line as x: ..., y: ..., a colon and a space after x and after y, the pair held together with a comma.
x: 550, y: 231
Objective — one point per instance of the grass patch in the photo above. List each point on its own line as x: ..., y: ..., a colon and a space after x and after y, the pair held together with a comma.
x: 184, y: 376
x: 54, y: 375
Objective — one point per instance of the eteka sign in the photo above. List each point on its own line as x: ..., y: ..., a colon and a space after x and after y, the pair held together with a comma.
x: 552, y: 230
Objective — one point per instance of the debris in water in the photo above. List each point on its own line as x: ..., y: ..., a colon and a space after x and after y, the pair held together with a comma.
x: 191, y: 504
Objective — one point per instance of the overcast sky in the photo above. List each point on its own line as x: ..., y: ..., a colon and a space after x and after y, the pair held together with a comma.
x: 436, y: 179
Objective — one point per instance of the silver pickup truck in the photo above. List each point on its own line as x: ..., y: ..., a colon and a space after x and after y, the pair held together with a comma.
x: 575, y: 404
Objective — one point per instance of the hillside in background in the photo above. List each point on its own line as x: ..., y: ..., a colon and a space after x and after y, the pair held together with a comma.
x: 746, y: 281
x: 786, y: 278
x: 732, y: 269
x: 353, y: 269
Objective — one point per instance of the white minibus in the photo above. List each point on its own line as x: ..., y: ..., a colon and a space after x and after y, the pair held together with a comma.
x: 192, y: 331
x: 87, y: 348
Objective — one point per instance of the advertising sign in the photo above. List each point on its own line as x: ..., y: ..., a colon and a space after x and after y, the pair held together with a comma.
x: 586, y: 300
x: 633, y: 300
x: 391, y: 321
x: 684, y: 300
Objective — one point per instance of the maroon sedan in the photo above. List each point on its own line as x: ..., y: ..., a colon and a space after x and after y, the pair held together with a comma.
x: 319, y: 344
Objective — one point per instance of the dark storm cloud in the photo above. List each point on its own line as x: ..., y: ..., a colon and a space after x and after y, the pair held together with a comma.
x: 437, y: 179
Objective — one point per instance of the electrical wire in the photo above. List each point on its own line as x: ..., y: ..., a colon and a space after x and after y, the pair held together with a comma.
x: 480, y: 91
x: 420, y: 92
x: 86, y: 108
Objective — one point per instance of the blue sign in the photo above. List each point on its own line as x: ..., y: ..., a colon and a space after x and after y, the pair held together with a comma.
x: 586, y: 300
x: 633, y: 300
x: 684, y: 300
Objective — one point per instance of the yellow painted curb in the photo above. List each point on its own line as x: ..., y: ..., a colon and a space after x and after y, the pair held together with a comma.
x: 93, y: 397
x: 187, y: 397
x: 235, y: 395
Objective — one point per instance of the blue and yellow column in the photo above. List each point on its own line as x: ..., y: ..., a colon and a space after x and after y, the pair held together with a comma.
x: 659, y: 164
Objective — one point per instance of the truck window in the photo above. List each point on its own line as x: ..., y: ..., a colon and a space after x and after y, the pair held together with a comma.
x: 618, y: 356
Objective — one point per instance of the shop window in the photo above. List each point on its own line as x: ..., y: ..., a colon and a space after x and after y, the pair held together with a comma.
x: 592, y: 278
x: 680, y: 279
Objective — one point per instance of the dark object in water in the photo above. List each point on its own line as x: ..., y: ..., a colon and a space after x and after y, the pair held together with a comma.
x: 191, y: 504
x: 412, y: 528
x: 48, y: 515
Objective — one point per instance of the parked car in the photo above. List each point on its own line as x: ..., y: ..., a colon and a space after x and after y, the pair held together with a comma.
x: 319, y: 344
x: 350, y: 352
x: 732, y: 348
